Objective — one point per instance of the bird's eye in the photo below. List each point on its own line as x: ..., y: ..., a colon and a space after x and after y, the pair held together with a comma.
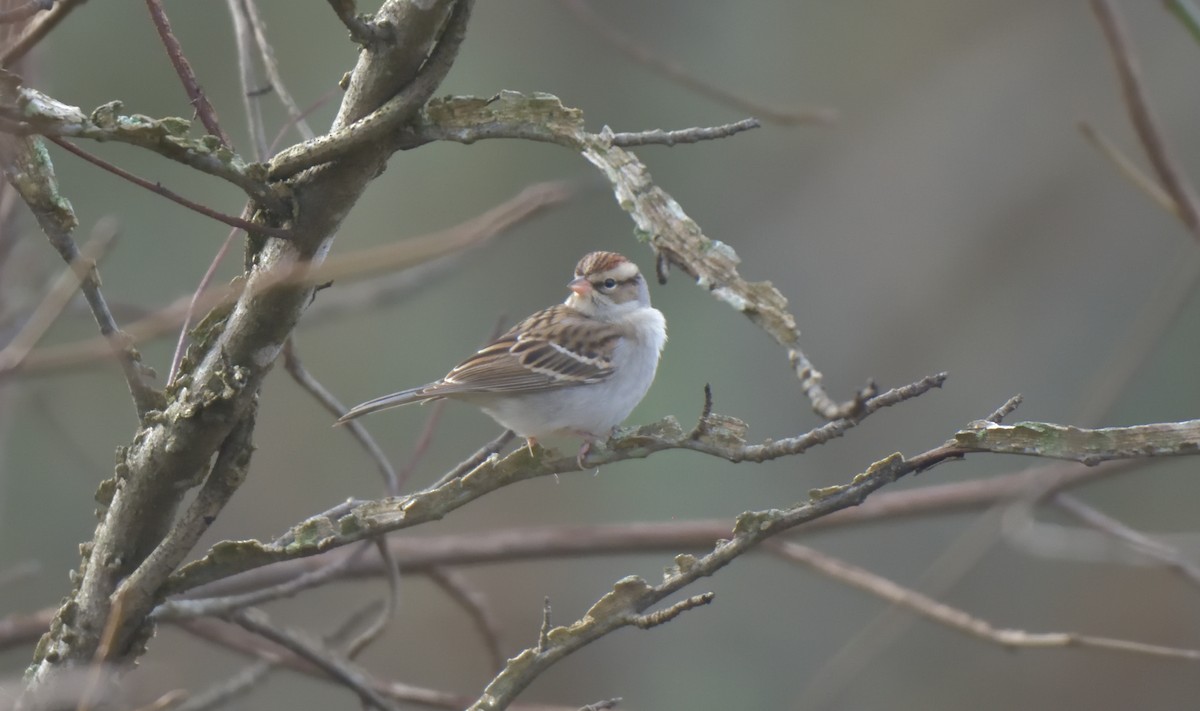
x: 610, y: 283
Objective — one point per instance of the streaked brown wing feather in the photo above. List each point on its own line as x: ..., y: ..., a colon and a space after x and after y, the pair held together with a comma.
x: 528, y: 358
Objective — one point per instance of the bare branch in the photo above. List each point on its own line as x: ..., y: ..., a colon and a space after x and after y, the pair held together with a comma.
x: 420, y: 448
x: 960, y: 620
x: 631, y: 596
x: 474, y: 603
x: 31, y: 174
x: 1136, y: 540
x: 1172, y: 178
x: 140, y: 589
x: 221, y: 378
x: 603, y: 705
x: 1187, y: 14
x: 194, y: 303
x: 386, y: 611
x: 721, y: 437
x: 477, y: 459
x: 673, y: 236
x: 24, y: 12
x: 403, y: 255
x: 36, y: 31
x: 158, y: 189
x: 271, y: 67
x: 419, y: 555
x: 543, y: 642
x: 675, y: 72
x: 56, y: 299
x: 221, y: 695
x: 362, y: 30
x: 654, y: 619
x: 175, y: 610
x: 1005, y: 410
x: 329, y: 661
x: 685, y: 135
x: 199, y: 102
x: 251, y: 92
x: 1126, y: 167
x: 388, y: 118
x: 1086, y: 446
x: 296, y: 369
x: 32, y: 112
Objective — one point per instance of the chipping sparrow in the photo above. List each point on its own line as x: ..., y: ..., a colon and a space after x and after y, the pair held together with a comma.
x: 578, y: 368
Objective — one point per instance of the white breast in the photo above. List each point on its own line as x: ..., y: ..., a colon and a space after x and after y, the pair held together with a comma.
x: 592, y: 410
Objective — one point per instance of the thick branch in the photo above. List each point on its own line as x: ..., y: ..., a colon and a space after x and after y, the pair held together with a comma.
x: 1087, y: 446
x: 716, y: 435
x: 219, y: 381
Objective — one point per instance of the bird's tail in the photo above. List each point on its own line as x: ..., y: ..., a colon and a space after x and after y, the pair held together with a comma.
x: 404, y: 397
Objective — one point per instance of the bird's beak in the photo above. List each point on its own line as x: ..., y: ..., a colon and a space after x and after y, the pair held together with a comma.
x: 580, y: 286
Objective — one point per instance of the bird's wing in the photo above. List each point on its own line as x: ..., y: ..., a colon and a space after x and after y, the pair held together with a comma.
x: 554, y: 348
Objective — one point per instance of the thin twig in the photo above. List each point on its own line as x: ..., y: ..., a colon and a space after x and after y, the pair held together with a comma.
x: 329, y: 661
x: 298, y: 121
x: 472, y: 462
x: 239, y: 640
x: 362, y: 31
x: 675, y: 72
x: 56, y: 299
x: 36, y: 31
x: 271, y: 67
x: 405, y: 254
x: 660, y: 137
x: 474, y: 603
x: 24, y: 12
x: 425, y: 439
x: 1006, y: 409
x: 1160, y: 315
x: 421, y: 448
x: 1126, y: 167
x: 660, y: 617
x: 246, y: 51
x: 54, y: 215
x: 221, y: 695
x: 543, y: 642
x: 387, y: 611
x: 603, y: 705
x: 1187, y: 14
x: 1172, y: 178
x: 204, y: 110
x: 1138, y: 541
x: 205, y: 281
x: 158, y: 189
x: 960, y: 620
x: 174, y: 610
x: 394, y: 113
x: 296, y: 369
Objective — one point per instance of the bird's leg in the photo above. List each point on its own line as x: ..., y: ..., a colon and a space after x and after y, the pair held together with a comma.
x: 583, y: 452
x: 530, y: 443
x: 589, y: 439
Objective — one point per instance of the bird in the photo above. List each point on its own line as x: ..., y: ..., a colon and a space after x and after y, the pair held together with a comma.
x: 574, y: 369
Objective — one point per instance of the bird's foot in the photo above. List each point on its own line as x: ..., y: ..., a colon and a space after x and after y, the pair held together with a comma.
x: 583, y: 452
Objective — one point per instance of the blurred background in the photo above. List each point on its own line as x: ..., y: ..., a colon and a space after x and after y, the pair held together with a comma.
x: 951, y: 219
